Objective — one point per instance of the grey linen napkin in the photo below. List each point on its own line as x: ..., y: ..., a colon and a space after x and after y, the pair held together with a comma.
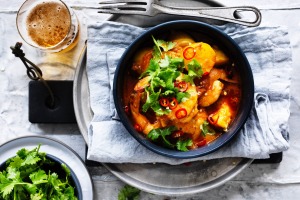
x: 266, y: 130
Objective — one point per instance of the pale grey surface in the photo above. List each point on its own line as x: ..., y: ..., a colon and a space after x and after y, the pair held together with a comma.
x: 269, y: 181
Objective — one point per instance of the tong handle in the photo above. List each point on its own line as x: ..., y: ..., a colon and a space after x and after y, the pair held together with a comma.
x: 229, y: 14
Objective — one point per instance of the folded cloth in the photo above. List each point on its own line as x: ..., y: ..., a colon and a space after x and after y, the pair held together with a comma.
x: 266, y: 130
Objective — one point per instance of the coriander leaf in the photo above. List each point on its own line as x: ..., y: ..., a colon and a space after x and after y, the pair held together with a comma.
x: 156, y: 53
x: 22, y: 153
x: 169, y: 76
x: 168, y: 130
x: 15, y: 162
x: 181, y: 95
x: 194, y: 70
x: 12, y: 173
x: 158, y: 110
x: 153, y: 103
x: 6, y: 185
x: 188, y: 79
x: 156, y: 82
x: 6, y: 188
x: 66, y: 169
x: 152, y: 69
x: 38, y: 177
x: 21, y: 192
x: 206, y: 129
x: 3, y: 178
x: 54, y: 181
x: 166, y: 46
x: 161, y: 44
x: 31, y: 188
x: 168, y: 93
x: 177, y: 63
x: 37, y: 196
x: 31, y: 159
x: 129, y: 193
x: 155, y: 134
x: 183, y: 144
x: 151, y: 100
x: 165, y: 62
x: 69, y: 191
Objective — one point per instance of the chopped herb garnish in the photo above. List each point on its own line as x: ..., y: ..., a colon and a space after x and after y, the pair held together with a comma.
x: 194, y: 70
x: 206, y: 129
x: 161, y: 44
x: 183, y: 144
x: 162, y: 133
x: 129, y: 193
x: 163, y: 71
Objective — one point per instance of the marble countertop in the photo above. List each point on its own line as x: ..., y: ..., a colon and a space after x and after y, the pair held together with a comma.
x: 258, y: 181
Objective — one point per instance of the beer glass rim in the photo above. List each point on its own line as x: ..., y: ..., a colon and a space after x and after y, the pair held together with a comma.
x: 32, y: 4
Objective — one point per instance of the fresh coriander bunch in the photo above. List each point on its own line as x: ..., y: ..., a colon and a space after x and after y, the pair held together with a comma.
x: 30, y: 175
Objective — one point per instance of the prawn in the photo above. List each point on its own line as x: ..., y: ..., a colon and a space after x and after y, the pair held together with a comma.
x: 192, y: 127
x: 142, y: 84
x: 215, y: 87
x: 141, y: 60
x: 220, y: 74
x: 212, y: 94
x: 141, y: 121
x: 181, y: 39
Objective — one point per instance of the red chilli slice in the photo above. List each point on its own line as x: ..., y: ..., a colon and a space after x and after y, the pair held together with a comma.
x: 189, y: 53
x: 126, y: 109
x: 182, y: 86
x: 201, y: 143
x: 138, y: 128
x: 181, y: 113
x: 164, y: 102
x: 211, y: 120
x: 173, y: 103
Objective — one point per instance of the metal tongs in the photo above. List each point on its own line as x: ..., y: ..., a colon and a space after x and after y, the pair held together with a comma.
x: 153, y: 7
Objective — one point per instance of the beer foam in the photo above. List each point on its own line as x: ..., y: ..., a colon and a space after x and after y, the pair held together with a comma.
x: 48, y: 23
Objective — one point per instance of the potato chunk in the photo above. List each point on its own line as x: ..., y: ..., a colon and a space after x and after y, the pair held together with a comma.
x: 203, y: 53
x: 222, y: 117
x: 221, y: 57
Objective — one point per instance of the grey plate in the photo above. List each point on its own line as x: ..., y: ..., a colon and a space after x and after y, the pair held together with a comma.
x: 159, y: 179
x: 57, y: 149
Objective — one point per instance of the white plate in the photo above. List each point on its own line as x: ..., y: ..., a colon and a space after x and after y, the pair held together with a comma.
x: 57, y: 149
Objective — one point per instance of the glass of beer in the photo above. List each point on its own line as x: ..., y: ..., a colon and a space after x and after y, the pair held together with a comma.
x: 49, y: 25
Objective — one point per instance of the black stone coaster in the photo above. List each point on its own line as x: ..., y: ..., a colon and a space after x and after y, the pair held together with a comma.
x: 39, y: 98
x: 274, y: 158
